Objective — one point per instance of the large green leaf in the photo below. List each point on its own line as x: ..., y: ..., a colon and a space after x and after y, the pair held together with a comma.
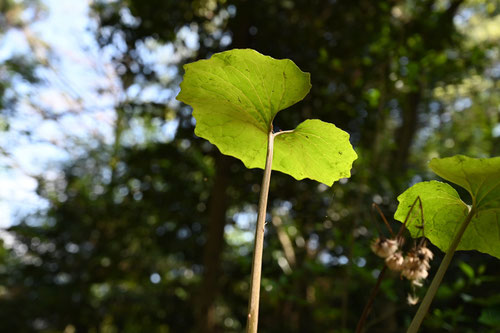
x: 235, y: 96
x: 444, y: 211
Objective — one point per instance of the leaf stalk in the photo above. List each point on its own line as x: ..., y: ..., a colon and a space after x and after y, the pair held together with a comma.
x: 253, y: 303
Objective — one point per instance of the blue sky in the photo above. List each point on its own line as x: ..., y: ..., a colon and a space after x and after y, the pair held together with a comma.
x: 77, y: 69
x: 80, y: 85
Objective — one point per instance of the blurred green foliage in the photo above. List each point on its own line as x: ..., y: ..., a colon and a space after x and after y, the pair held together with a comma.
x: 156, y: 237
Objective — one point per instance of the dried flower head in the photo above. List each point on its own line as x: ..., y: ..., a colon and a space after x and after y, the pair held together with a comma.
x: 411, y: 261
x: 424, y: 253
x: 417, y: 259
x: 417, y: 283
x: 412, y: 299
x: 395, y: 261
x: 416, y: 265
x: 417, y: 274
x: 384, y: 247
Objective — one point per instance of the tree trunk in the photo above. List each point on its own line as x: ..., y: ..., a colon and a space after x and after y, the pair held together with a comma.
x: 214, y: 245
x: 406, y: 132
x: 218, y: 203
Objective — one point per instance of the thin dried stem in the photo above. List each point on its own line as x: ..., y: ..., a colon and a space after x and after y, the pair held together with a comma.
x: 368, y: 306
x: 373, y: 294
x: 374, y: 205
x: 407, y: 219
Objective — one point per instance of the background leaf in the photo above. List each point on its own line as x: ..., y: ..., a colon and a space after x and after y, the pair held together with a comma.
x: 235, y: 96
x: 479, y: 176
x: 444, y: 210
x: 490, y: 316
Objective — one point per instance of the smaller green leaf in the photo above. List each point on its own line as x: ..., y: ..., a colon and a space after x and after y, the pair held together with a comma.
x: 316, y: 150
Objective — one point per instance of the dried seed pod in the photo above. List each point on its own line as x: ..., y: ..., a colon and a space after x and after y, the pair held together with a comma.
x: 395, y: 261
x: 384, y: 247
